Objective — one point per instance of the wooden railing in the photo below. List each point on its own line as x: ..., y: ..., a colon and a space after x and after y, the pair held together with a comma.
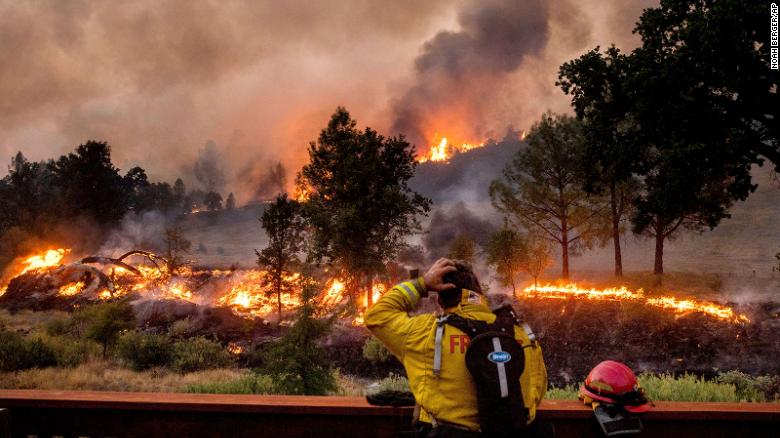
x: 30, y: 413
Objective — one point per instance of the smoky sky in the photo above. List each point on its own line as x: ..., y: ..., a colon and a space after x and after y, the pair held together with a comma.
x: 158, y: 80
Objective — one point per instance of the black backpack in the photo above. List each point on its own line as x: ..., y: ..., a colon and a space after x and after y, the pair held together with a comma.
x: 495, y: 361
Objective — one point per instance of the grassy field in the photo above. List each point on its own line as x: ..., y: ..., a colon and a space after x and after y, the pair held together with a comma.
x: 105, y: 376
x: 727, y: 387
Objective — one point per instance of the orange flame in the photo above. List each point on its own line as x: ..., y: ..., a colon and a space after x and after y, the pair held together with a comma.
x: 234, y: 348
x: 443, y: 149
x: 302, y: 193
x: 244, y: 291
x: 676, y: 305
x: 71, y: 289
x: 47, y: 259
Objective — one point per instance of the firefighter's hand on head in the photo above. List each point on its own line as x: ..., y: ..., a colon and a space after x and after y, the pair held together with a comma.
x: 434, y: 277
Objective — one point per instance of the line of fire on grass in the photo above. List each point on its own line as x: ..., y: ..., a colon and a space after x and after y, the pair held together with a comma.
x: 245, y: 292
x: 675, y: 304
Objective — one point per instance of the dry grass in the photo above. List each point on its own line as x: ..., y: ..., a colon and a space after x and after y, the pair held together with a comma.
x: 105, y: 376
x: 29, y: 321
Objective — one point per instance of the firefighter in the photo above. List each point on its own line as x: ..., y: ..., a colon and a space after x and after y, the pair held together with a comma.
x: 434, y: 353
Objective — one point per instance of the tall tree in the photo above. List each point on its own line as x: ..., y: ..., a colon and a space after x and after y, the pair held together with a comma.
x: 704, y: 107
x: 507, y: 252
x: 176, y: 246
x: 277, y: 177
x: 27, y: 194
x: 359, y: 206
x: 538, y: 257
x: 542, y: 187
x: 230, y: 203
x: 180, y: 195
x: 283, y: 225
x: 90, y: 183
x: 718, y: 51
x: 598, y: 85
x: 463, y: 248
x: 208, y: 168
x: 213, y: 201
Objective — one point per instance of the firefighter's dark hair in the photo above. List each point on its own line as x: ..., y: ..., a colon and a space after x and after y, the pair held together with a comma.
x: 463, y: 278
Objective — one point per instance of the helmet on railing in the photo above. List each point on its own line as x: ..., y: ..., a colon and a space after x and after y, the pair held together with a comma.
x: 614, y: 383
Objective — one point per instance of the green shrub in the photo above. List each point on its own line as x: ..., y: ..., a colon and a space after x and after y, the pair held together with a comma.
x: 753, y: 389
x: 199, y: 354
x: 58, y: 326
x: 252, y: 384
x: 296, y: 362
x: 732, y: 386
x: 38, y: 354
x: 104, y: 322
x: 393, y: 382
x: 143, y: 351
x: 568, y: 392
x: 687, y: 387
x: 18, y: 353
x: 374, y: 351
x: 70, y: 352
x: 180, y: 328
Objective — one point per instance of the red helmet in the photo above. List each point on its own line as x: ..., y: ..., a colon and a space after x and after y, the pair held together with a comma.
x: 614, y: 383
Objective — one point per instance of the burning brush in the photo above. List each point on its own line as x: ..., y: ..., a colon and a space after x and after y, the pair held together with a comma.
x: 679, y: 306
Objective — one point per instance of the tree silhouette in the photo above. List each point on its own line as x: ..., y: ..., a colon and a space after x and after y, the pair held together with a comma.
x: 598, y: 85
x: 542, y: 187
x: 507, y: 252
x: 283, y: 225
x: 90, y: 184
x: 360, y: 206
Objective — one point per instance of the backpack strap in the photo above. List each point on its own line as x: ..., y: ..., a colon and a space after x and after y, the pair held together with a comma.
x: 529, y: 333
x: 440, y: 321
x: 509, y: 313
x: 471, y: 327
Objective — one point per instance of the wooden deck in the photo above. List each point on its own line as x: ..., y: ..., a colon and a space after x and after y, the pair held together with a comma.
x: 123, y: 414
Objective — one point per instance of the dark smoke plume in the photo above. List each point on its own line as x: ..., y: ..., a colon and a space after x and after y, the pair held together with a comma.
x: 458, y: 72
x: 260, y: 182
x: 447, y: 224
x: 208, y: 169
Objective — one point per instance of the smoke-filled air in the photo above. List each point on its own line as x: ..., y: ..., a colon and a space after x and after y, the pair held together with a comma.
x: 261, y: 196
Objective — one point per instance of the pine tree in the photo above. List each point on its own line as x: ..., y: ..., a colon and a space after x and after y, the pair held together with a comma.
x: 283, y: 226
x: 296, y: 362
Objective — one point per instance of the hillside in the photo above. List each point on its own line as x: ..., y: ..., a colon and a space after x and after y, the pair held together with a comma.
x: 746, y: 242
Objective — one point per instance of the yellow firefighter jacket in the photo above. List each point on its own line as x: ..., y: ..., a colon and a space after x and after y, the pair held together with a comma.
x: 449, y: 397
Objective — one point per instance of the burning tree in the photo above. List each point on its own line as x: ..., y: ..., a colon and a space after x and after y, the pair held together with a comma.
x: 284, y: 226
x: 542, y: 187
x: 359, y: 205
